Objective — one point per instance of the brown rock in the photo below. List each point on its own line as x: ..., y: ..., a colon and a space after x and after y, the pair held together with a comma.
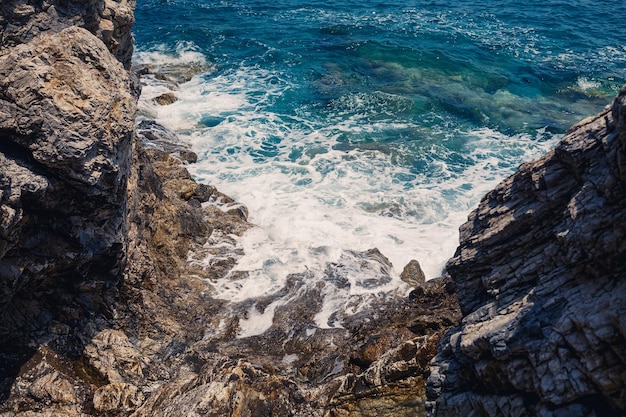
x: 166, y: 99
x: 117, y: 397
x: 47, y: 383
x: 413, y: 274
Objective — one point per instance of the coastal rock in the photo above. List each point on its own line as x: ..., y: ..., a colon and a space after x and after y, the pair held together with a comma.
x: 540, y: 278
x: 297, y: 369
x: 118, y: 398
x: 166, y: 99
x: 47, y: 385
x: 413, y: 274
x: 66, y: 127
x: 109, y: 20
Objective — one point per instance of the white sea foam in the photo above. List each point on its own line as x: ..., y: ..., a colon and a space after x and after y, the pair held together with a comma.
x: 586, y: 84
x: 257, y: 323
x: 314, y: 195
x: 185, y: 53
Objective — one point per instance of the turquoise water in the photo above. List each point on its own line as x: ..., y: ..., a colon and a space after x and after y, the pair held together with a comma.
x: 352, y: 125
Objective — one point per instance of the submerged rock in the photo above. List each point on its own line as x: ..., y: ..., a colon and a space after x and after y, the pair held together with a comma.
x: 540, y: 280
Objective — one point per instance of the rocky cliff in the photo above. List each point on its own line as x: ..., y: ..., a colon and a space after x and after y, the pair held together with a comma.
x: 540, y: 274
x: 66, y: 131
x: 109, y: 249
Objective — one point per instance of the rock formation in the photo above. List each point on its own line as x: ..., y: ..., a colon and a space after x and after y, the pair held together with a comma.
x: 110, y: 254
x: 66, y: 131
x: 110, y: 21
x: 109, y: 248
x: 540, y: 276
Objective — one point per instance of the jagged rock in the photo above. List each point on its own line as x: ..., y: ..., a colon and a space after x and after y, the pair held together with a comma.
x: 47, y: 386
x: 66, y: 127
x: 227, y: 387
x: 109, y: 20
x: 296, y: 369
x: 412, y: 273
x: 540, y: 279
x: 157, y: 137
x: 166, y: 99
x: 173, y: 74
x: 118, y: 397
x: 114, y: 356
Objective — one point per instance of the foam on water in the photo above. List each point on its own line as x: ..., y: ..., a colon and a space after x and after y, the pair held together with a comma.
x: 348, y: 126
x: 184, y: 53
x: 314, y: 196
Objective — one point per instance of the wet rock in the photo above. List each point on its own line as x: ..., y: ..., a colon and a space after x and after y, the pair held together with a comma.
x: 166, y: 99
x: 157, y: 137
x: 227, y: 387
x: 412, y: 273
x: 174, y: 73
x: 539, y: 276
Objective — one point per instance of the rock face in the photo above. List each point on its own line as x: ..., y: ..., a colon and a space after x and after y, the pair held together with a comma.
x: 66, y: 131
x: 540, y: 277
x: 66, y: 128
x: 110, y: 253
x: 109, y: 20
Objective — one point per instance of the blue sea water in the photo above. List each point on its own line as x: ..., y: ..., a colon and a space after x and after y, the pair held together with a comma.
x: 359, y: 124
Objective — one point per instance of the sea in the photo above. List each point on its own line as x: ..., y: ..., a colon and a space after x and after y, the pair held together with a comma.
x: 351, y: 125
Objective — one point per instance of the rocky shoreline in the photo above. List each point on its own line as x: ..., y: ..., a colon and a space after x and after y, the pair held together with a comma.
x: 539, y: 275
x: 105, y: 312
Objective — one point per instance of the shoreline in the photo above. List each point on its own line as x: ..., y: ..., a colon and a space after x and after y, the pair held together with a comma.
x: 105, y: 310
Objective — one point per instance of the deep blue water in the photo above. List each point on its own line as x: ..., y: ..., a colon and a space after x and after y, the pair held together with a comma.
x: 359, y: 124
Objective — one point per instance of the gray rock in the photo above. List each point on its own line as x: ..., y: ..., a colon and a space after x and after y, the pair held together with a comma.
x: 109, y: 20
x: 66, y: 127
x: 66, y: 130
x: 540, y: 278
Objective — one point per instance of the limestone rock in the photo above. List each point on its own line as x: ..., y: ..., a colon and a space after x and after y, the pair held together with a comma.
x: 540, y: 278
